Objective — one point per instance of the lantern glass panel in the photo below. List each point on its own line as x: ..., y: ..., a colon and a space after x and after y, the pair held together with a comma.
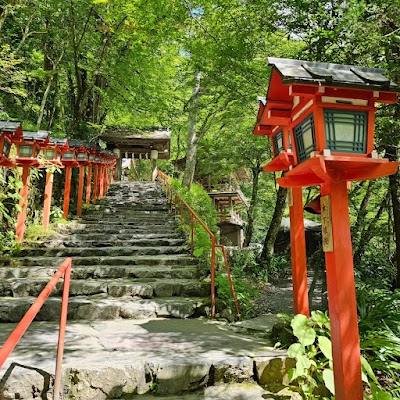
x: 97, y: 158
x: 25, y: 151
x: 81, y: 157
x: 91, y: 157
x: 278, y: 143
x: 304, y: 136
x: 6, y: 148
x: 346, y: 131
x: 69, y: 155
x: 49, y: 154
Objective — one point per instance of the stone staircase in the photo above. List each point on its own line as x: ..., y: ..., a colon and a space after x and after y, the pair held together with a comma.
x: 129, y: 261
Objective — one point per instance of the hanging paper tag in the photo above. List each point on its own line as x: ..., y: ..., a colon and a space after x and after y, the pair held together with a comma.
x: 326, y: 219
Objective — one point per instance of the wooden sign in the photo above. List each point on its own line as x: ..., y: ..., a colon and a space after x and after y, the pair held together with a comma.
x: 326, y: 219
x: 290, y: 197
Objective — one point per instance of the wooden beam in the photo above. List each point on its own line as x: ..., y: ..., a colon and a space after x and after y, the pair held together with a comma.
x: 21, y: 218
x: 48, y: 191
x: 342, y: 297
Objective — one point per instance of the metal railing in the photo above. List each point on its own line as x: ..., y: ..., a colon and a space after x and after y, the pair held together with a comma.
x: 179, y: 203
x: 17, y: 333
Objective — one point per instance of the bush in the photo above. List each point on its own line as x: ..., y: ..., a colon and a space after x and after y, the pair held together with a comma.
x: 379, y: 325
x: 245, y: 293
x: 313, y: 373
x: 202, y: 205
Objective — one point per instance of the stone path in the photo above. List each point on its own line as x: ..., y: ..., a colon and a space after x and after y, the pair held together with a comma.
x: 109, y: 359
x: 131, y: 269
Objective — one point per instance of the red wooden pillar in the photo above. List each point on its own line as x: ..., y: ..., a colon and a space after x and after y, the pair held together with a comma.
x: 95, y: 182
x: 23, y: 204
x: 101, y: 182
x: 67, y: 190
x: 80, y: 190
x: 342, y: 297
x: 298, y: 252
x: 88, y: 184
x: 48, y: 192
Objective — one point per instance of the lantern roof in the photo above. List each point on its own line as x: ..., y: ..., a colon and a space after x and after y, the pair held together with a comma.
x: 10, y: 126
x: 76, y: 143
x: 327, y: 74
x: 58, y: 141
x: 36, y: 135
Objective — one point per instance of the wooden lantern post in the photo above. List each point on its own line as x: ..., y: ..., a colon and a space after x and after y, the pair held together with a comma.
x: 28, y: 147
x: 82, y: 159
x: 96, y: 174
x: 332, y: 110
x: 52, y: 153
x: 101, y: 175
x: 275, y: 125
x: 91, y: 157
x: 69, y: 160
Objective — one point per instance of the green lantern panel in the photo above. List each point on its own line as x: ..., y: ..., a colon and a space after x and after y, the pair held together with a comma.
x: 6, y: 148
x: 346, y: 131
x: 278, y: 143
x: 25, y: 151
x: 304, y: 136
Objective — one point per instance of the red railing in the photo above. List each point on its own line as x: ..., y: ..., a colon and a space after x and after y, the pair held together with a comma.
x: 179, y: 203
x: 13, y: 339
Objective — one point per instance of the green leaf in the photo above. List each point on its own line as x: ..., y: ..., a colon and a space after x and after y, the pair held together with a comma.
x: 326, y: 346
x: 198, y: 252
x: 379, y: 394
x: 321, y: 319
x: 327, y: 375
x: 295, y: 350
x: 367, y: 369
x: 302, y: 331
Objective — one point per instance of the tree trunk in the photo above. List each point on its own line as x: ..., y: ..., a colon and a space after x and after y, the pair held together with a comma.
x: 362, y: 212
x: 250, y: 212
x: 394, y: 188
x: 368, y: 233
x: 275, y: 225
x: 191, y: 153
x: 44, y: 100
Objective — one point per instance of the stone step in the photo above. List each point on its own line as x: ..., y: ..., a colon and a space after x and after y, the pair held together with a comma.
x: 131, y: 217
x: 110, y: 251
x: 107, y: 271
x: 136, y: 207
x: 102, y: 307
x: 150, y: 288
x: 112, y: 209
x: 138, y: 237
x: 109, y: 228
x: 172, y: 224
x: 106, y: 241
x: 175, y: 259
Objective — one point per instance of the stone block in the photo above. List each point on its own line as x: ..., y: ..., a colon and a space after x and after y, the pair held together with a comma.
x: 273, y: 370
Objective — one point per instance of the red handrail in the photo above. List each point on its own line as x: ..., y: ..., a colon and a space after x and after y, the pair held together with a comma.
x: 170, y: 192
x: 17, y: 333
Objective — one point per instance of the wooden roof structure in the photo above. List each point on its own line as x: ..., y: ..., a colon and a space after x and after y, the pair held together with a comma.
x: 139, y: 143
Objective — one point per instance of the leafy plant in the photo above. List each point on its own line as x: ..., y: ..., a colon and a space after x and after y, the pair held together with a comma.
x: 245, y: 294
x: 313, y: 374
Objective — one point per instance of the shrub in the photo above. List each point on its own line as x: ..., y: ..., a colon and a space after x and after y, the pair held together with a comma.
x: 313, y: 373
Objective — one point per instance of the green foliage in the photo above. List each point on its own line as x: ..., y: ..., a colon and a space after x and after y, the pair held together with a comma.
x: 245, y: 294
x: 379, y: 325
x: 313, y: 374
x: 198, y: 199
x: 9, y: 199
